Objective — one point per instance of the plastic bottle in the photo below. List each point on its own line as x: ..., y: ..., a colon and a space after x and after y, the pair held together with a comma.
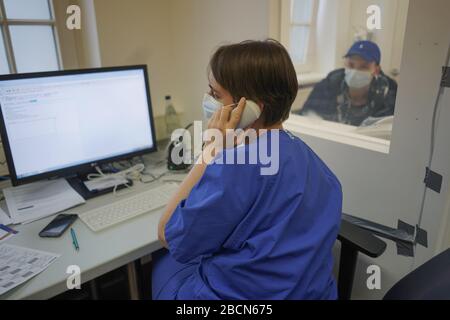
x: 171, y: 117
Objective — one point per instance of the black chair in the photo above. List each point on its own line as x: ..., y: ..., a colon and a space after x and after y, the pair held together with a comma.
x: 430, y: 281
x: 353, y: 241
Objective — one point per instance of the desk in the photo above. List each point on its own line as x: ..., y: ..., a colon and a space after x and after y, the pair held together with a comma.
x: 99, y: 252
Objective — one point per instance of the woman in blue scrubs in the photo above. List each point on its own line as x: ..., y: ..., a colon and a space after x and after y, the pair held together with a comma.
x: 232, y: 232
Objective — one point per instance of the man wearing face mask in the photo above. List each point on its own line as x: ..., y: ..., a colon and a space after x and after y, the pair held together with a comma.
x: 357, y: 95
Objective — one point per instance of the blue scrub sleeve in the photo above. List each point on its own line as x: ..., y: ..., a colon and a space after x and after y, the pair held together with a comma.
x: 202, y: 223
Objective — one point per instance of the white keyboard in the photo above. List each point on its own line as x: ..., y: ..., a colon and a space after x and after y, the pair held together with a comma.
x: 127, y: 208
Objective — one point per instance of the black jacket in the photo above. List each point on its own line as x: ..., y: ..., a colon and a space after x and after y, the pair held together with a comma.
x: 329, y: 99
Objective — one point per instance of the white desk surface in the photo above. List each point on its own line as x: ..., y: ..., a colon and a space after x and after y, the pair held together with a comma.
x: 99, y: 252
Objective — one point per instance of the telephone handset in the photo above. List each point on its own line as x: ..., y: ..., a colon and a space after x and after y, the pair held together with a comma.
x: 251, y: 114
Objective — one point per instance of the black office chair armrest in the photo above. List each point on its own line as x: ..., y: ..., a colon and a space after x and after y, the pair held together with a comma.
x: 354, y: 240
x: 361, y: 240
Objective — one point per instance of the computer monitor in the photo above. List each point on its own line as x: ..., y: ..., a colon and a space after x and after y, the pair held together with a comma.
x: 65, y: 122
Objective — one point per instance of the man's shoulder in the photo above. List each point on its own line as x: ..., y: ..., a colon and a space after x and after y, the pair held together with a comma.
x: 392, y: 84
x: 332, y: 82
x: 336, y: 76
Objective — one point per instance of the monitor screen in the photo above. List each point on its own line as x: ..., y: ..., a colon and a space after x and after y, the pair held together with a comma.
x: 61, y: 120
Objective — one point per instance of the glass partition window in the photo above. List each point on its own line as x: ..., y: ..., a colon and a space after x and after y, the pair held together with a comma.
x: 28, y: 37
x: 348, y: 70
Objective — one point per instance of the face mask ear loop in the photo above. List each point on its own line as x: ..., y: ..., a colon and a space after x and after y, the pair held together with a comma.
x: 215, y: 100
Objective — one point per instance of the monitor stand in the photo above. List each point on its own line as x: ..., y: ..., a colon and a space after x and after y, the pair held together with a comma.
x: 77, y: 183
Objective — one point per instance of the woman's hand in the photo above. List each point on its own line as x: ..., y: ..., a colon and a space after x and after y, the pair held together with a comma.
x: 224, y: 122
x: 225, y: 119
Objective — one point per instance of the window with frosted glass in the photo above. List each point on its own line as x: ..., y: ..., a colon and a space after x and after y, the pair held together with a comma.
x: 34, y: 48
x: 27, y: 9
x: 28, y: 42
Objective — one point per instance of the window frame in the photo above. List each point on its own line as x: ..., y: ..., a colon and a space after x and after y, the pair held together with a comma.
x: 5, y: 23
x: 285, y: 31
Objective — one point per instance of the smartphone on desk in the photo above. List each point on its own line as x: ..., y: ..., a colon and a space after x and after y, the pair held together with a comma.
x: 58, y: 226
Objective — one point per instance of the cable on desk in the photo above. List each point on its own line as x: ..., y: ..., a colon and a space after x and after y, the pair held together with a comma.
x: 133, y: 173
x: 129, y: 166
x: 154, y: 178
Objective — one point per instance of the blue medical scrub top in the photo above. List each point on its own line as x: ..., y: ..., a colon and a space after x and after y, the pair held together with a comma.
x: 244, y: 235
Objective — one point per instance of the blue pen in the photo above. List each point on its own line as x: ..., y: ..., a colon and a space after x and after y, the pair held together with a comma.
x: 74, y: 239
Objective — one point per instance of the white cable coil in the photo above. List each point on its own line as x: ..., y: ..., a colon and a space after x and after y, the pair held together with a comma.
x: 134, y: 173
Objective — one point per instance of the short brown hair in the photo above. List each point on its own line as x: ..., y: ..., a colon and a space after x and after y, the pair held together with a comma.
x: 261, y: 71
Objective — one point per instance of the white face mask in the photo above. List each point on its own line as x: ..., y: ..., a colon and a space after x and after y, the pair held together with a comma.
x: 357, y: 79
x: 210, y: 106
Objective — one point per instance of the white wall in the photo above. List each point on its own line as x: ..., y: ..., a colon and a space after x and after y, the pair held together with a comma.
x: 89, y: 36
x: 138, y: 32
x: 79, y: 48
x: 176, y: 38
x: 436, y: 213
x: 199, y: 27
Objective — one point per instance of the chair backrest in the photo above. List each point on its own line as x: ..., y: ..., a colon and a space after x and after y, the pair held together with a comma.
x: 431, y: 281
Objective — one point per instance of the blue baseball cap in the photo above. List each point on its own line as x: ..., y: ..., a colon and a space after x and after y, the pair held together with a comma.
x: 367, y: 50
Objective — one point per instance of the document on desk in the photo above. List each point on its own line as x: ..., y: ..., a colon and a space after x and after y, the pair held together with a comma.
x: 37, y: 200
x: 18, y: 264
